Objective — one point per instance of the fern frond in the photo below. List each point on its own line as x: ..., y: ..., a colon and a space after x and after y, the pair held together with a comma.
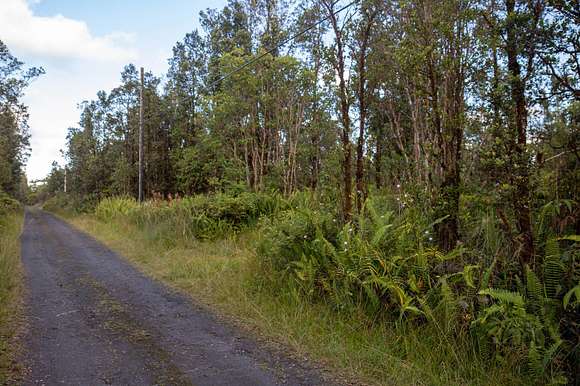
x: 553, y: 269
x: 575, y: 291
x: 504, y: 296
x: 575, y: 238
x: 380, y: 233
x: 552, y: 248
x: 488, y: 274
x: 551, y: 353
x: 534, y: 292
x: 535, y: 367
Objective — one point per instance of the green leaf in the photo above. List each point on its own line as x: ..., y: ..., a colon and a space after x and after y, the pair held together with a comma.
x: 575, y: 238
x: 574, y: 291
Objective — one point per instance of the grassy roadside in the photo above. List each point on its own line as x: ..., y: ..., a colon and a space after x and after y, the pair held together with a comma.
x: 221, y: 274
x: 10, y: 294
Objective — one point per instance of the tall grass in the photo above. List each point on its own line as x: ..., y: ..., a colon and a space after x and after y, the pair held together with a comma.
x: 10, y: 291
x: 198, y: 217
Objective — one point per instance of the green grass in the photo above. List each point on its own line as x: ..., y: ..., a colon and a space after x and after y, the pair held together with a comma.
x: 223, y: 274
x: 10, y: 295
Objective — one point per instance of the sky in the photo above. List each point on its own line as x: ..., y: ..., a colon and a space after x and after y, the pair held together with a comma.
x: 83, y: 45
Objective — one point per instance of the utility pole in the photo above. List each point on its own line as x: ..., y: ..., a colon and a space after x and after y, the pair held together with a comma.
x: 141, y: 138
x: 65, y: 179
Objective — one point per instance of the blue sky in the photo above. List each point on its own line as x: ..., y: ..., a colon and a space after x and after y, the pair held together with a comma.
x: 83, y: 45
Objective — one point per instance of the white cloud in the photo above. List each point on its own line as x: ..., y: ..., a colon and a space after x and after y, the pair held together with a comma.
x: 68, y: 51
x: 53, y: 100
x: 58, y: 36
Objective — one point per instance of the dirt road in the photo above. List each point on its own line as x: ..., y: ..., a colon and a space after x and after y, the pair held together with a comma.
x: 95, y: 320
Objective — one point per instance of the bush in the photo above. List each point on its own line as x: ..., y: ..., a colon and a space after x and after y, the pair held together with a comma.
x: 8, y: 204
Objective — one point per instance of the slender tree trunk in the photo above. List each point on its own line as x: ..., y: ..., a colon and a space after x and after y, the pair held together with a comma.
x: 446, y: 80
x: 344, y: 113
x: 518, y: 121
x: 379, y: 160
x: 448, y: 230
x: 362, y: 97
x: 359, y: 176
x: 315, y: 136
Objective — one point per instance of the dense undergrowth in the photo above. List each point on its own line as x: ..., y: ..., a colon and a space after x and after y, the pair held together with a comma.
x: 468, y: 310
x: 10, y: 275
x: 387, y: 264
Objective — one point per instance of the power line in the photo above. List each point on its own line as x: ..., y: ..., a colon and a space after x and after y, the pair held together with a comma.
x: 254, y: 60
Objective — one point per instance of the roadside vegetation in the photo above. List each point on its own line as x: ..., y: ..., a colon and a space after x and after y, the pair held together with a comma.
x: 374, y: 300
x: 10, y: 287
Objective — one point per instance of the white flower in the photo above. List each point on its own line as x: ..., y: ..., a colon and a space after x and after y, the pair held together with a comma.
x: 398, y: 186
x: 345, y: 243
x: 430, y: 238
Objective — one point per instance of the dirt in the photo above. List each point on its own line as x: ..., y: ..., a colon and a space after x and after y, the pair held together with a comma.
x: 94, y: 319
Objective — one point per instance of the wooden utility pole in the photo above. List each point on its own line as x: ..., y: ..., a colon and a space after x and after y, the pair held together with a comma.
x: 65, y: 179
x: 141, y: 138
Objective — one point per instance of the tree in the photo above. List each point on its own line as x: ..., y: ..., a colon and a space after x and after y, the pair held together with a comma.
x: 337, y: 59
x: 14, y: 135
x: 362, y: 44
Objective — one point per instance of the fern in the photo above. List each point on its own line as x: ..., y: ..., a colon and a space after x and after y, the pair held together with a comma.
x: 552, y: 248
x: 504, y: 296
x: 488, y: 274
x: 553, y: 269
x: 535, y: 366
x: 535, y: 296
x: 575, y: 291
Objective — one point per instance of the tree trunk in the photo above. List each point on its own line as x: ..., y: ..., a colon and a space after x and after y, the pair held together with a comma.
x: 344, y: 113
x: 378, y: 161
x: 518, y: 121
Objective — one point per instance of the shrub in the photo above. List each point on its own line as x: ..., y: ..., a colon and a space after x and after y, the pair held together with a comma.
x: 8, y: 204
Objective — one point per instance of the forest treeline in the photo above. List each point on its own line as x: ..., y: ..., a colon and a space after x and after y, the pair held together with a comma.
x: 449, y: 127
x: 439, y: 98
